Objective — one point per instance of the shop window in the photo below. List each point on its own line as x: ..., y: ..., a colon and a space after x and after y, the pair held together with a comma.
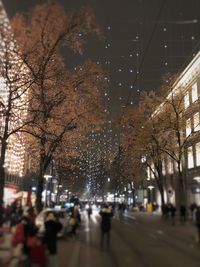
x: 190, y: 158
x: 194, y: 92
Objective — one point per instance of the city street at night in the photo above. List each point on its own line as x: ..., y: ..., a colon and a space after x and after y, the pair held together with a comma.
x: 141, y: 240
x: 99, y: 133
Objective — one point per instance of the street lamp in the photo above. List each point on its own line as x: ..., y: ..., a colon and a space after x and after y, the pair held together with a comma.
x: 150, y: 187
x: 47, y: 177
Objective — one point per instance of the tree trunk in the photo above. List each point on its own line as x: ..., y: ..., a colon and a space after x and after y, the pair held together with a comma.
x: 159, y: 182
x: 2, y: 179
x: 162, y: 197
x: 182, y: 187
x: 40, y: 185
x: 133, y: 197
x: 2, y: 184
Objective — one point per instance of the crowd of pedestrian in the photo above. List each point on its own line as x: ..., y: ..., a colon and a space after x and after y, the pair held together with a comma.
x: 33, y: 248
x: 42, y: 250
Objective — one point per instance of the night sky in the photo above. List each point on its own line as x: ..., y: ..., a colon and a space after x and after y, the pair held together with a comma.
x: 144, y: 39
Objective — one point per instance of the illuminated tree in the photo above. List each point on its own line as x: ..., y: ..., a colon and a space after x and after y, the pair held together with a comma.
x: 142, y: 139
x: 177, y: 135
x: 158, y: 131
x: 15, y: 84
x: 61, y: 100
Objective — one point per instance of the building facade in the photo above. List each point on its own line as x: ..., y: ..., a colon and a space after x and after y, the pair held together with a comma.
x: 10, y: 67
x: 187, y: 84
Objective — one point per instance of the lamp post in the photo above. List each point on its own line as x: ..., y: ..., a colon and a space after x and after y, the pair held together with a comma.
x: 150, y: 187
x: 47, y: 177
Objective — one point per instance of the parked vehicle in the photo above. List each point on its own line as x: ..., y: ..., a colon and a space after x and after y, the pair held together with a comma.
x: 60, y: 215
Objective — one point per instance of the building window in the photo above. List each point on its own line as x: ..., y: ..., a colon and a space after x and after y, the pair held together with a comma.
x: 187, y: 100
x: 170, y: 167
x: 188, y: 127
x: 164, y: 167
x: 198, y: 154
x: 148, y: 173
x: 194, y: 92
x: 152, y: 171
x: 190, y: 157
x: 196, y: 122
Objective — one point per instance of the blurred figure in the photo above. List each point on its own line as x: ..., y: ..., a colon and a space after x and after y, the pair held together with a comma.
x: 106, y: 215
x: 23, y: 231
x: 31, y: 215
x: 183, y: 213
x: 89, y: 211
x: 172, y: 210
x: 193, y: 208
x: 16, y: 213
x: 52, y: 227
x: 38, y: 257
x: 75, y: 220
x: 197, y: 217
x: 121, y: 209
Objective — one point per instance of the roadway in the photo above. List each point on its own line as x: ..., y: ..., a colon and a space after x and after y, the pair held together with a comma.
x: 140, y: 240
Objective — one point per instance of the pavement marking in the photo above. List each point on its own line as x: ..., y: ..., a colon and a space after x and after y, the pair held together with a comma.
x: 130, y: 216
x: 160, y: 232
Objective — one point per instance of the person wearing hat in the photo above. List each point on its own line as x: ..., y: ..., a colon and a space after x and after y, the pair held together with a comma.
x: 52, y: 227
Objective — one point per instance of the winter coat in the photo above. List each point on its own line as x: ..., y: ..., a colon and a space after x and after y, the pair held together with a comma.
x: 106, y: 215
x: 51, y: 229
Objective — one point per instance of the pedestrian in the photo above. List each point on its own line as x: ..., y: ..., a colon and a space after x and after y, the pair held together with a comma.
x: 89, y: 211
x: 23, y: 230
x: 32, y: 215
x: 74, y: 221
x: 38, y: 255
x: 121, y: 209
x: 183, y: 213
x: 197, y: 217
x: 52, y: 227
x: 173, y: 213
x: 193, y: 208
x: 106, y: 215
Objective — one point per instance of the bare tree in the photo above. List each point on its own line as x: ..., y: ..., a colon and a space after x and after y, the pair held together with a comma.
x: 60, y: 100
x: 142, y: 139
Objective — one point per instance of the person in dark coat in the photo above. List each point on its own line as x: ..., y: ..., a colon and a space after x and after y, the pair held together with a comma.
x: 28, y: 231
x: 52, y: 227
x: 106, y: 215
x: 173, y: 213
x: 197, y: 218
x: 183, y: 213
x: 89, y: 211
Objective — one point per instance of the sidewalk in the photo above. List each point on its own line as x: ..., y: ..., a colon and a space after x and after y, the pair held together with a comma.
x: 5, y: 247
x: 7, y: 259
